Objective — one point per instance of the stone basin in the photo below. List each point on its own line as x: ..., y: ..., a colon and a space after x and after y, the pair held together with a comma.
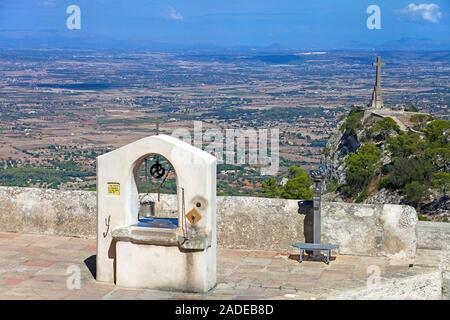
x: 143, y: 233
x: 146, y: 235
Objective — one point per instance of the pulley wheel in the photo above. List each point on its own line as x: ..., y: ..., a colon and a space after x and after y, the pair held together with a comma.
x: 157, y: 170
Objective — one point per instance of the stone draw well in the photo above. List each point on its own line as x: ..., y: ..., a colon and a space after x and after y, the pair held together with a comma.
x: 160, y: 253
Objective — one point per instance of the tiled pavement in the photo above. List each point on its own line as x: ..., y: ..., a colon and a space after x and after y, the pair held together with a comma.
x: 36, y: 267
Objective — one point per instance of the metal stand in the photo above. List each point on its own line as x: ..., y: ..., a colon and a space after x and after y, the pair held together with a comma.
x: 316, y: 245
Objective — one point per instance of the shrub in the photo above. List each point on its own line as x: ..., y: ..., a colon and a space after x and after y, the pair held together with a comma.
x: 297, y: 187
x: 362, y: 196
x: 271, y: 188
x: 437, y: 132
x: 420, y: 120
x: 441, y: 181
x: 361, y: 167
x: 415, y: 192
x: 410, y: 108
x: 385, y: 127
x: 406, y: 144
x: 406, y: 170
x: 353, y: 122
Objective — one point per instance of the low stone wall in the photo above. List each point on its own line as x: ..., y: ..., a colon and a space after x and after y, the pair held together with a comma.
x: 242, y: 222
x: 374, y: 230
x: 46, y: 211
x: 433, y: 235
x: 371, y: 230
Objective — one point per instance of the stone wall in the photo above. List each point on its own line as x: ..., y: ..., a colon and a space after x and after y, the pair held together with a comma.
x: 242, y: 222
x: 433, y: 235
x: 46, y: 211
x: 374, y: 230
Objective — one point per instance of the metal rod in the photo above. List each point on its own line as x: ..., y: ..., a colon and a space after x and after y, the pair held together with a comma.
x: 183, y: 213
x: 162, y: 182
x: 317, y: 207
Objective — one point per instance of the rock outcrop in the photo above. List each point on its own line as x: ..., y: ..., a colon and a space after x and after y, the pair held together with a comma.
x: 377, y: 127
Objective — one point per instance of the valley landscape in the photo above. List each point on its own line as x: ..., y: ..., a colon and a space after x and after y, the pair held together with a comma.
x: 59, y: 109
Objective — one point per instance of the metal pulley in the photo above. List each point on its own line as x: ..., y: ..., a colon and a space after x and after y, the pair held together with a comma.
x: 157, y: 170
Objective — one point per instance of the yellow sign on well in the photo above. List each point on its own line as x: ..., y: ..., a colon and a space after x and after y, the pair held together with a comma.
x: 193, y: 216
x: 114, y: 188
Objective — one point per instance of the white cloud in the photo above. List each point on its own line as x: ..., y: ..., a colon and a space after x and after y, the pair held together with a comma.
x: 173, y: 14
x: 429, y: 12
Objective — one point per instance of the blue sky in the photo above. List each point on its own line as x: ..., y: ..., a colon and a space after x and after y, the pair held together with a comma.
x: 292, y: 24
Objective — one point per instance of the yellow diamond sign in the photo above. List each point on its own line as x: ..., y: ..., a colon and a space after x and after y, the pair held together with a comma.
x: 193, y: 216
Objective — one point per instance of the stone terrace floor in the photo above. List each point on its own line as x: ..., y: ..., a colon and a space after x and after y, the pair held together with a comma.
x: 36, y: 266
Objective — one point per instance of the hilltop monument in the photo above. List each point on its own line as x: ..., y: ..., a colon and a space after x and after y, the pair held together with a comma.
x: 377, y: 100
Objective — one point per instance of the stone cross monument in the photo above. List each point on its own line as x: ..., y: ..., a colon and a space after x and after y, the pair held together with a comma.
x: 377, y: 100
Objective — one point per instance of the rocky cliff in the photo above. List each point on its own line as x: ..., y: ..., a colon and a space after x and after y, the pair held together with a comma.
x: 396, y: 157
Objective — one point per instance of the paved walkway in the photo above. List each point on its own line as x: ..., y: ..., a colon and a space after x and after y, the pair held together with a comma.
x: 36, y: 267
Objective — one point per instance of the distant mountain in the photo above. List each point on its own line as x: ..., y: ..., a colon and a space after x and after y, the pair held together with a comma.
x: 52, y: 39
x: 415, y: 44
x: 56, y: 39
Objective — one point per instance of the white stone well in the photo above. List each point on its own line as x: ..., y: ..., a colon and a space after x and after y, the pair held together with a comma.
x: 134, y: 254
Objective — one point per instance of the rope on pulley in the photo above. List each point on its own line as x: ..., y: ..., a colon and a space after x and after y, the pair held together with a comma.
x: 156, y: 171
x: 162, y: 182
x: 148, y: 183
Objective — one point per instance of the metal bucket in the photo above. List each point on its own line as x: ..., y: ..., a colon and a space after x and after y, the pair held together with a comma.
x: 147, y: 209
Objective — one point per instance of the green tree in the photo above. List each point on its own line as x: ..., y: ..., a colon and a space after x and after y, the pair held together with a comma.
x: 407, y: 170
x: 439, y: 156
x: 271, y: 188
x: 298, y: 185
x: 385, y: 127
x: 415, y: 192
x: 420, y: 120
x: 437, y: 132
x: 353, y: 122
x: 361, y: 167
x: 441, y: 181
x: 405, y: 145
